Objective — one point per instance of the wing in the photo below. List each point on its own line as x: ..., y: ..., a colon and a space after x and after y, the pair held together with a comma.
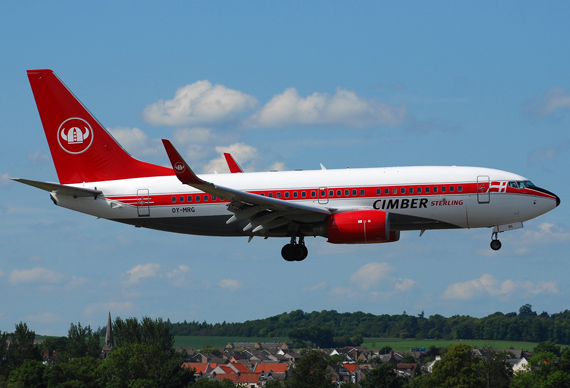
x: 263, y: 213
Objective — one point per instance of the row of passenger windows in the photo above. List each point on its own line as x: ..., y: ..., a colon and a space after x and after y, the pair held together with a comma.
x: 419, y: 190
x: 333, y: 193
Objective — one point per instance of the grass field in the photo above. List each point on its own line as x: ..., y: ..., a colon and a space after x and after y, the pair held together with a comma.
x: 197, y: 342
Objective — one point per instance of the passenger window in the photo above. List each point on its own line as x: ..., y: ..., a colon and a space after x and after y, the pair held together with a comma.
x: 394, y: 191
x: 427, y: 189
x: 418, y: 190
x: 331, y: 193
x: 313, y: 194
x: 278, y: 195
x: 451, y: 189
x: 205, y: 198
x: 286, y: 194
x: 173, y: 199
x: 361, y: 191
x: 403, y: 190
x: 346, y: 192
x: 181, y: 199
x: 338, y: 193
x: 435, y: 189
x: 386, y: 191
x: 270, y: 195
x: 443, y: 189
x: 213, y: 198
x: 303, y: 194
x: 198, y: 198
x: 378, y: 191
x: 411, y: 190
x: 189, y: 198
x: 295, y: 194
x: 460, y: 188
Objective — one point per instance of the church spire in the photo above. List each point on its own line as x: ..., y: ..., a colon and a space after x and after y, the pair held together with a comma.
x: 109, y: 341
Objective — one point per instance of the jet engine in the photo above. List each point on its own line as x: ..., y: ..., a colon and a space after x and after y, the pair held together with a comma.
x: 360, y: 227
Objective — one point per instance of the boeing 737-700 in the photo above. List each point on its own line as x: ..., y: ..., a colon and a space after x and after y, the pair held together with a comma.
x: 349, y: 206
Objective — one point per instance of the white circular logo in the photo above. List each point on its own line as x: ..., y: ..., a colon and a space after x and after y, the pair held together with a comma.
x: 179, y: 167
x: 75, y: 135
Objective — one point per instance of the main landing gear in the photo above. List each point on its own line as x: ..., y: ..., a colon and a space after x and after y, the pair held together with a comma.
x: 495, y: 243
x: 295, y: 251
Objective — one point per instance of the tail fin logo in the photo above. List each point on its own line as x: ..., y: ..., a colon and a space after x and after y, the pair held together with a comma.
x: 75, y: 135
x: 179, y: 167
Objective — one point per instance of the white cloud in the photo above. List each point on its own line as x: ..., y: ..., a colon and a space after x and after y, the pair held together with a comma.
x: 343, y: 108
x: 141, y: 271
x: 39, y: 156
x: 76, y: 282
x: 178, y: 275
x: 370, y: 275
x: 488, y: 285
x: 242, y: 153
x: 35, y: 275
x: 554, y: 99
x: 136, y: 142
x: 546, y: 233
x: 230, y: 284
x: 199, y: 103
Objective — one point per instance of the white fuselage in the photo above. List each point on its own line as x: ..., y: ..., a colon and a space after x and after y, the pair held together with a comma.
x: 417, y: 198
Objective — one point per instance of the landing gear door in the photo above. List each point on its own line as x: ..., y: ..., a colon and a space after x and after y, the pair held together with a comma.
x: 323, y: 195
x: 143, y: 203
x: 483, y: 186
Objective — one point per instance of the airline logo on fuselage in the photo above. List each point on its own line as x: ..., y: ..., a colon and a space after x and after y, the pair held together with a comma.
x: 414, y: 203
x: 75, y: 135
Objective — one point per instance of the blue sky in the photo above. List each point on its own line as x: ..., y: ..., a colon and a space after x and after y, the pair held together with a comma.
x: 346, y: 84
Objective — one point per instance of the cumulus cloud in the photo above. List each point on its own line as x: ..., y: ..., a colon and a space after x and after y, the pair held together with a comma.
x: 35, y: 275
x: 199, y: 103
x: 241, y: 152
x: 343, y: 108
x: 141, y: 271
x: 488, y: 285
x: 546, y: 233
x: 137, y: 142
x: 549, y: 153
x: 554, y: 99
x: 230, y: 284
x: 369, y: 275
x: 178, y: 275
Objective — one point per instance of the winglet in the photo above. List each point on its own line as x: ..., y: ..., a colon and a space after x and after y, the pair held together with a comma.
x: 183, y: 172
x: 232, y: 164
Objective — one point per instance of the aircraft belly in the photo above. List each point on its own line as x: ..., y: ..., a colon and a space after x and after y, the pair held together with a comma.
x: 205, y: 226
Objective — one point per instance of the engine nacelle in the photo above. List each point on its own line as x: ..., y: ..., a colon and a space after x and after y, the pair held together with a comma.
x: 360, y: 227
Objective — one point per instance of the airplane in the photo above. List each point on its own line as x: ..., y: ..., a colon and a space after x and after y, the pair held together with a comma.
x: 346, y: 206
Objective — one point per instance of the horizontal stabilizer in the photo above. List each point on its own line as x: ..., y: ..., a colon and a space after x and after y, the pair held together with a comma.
x: 60, y: 189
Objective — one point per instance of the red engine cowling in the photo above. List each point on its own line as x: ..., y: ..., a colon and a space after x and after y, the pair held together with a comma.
x: 360, y: 227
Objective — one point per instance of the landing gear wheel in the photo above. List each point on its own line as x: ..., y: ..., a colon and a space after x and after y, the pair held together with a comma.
x: 495, y: 245
x: 295, y: 251
x: 291, y: 252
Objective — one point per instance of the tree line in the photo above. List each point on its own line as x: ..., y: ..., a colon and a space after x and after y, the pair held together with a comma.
x: 525, y: 325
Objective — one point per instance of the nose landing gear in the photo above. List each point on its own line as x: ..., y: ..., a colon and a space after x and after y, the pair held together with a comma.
x: 495, y: 243
x: 295, y: 251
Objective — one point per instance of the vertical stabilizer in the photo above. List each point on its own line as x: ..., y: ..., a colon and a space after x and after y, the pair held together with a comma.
x: 82, y: 150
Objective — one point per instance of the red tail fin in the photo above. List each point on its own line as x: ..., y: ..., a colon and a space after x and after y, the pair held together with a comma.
x: 82, y: 150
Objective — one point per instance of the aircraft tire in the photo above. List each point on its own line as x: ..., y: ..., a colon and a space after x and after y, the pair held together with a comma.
x: 291, y: 252
x: 304, y: 252
x: 495, y: 245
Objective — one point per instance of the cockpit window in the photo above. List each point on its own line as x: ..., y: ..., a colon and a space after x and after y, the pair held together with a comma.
x: 514, y: 185
x: 526, y: 184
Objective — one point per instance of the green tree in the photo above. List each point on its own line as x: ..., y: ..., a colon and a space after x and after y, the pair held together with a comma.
x: 81, y: 342
x: 79, y: 372
x: 141, y: 365
x: 495, y: 370
x: 207, y: 383
x: 22, y: 346
x: 546, y: 371
x: 312, y: 371
x: 28, y: 375
x: 547, y: 346
x: 382, y: 376
x: 457, y: 369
